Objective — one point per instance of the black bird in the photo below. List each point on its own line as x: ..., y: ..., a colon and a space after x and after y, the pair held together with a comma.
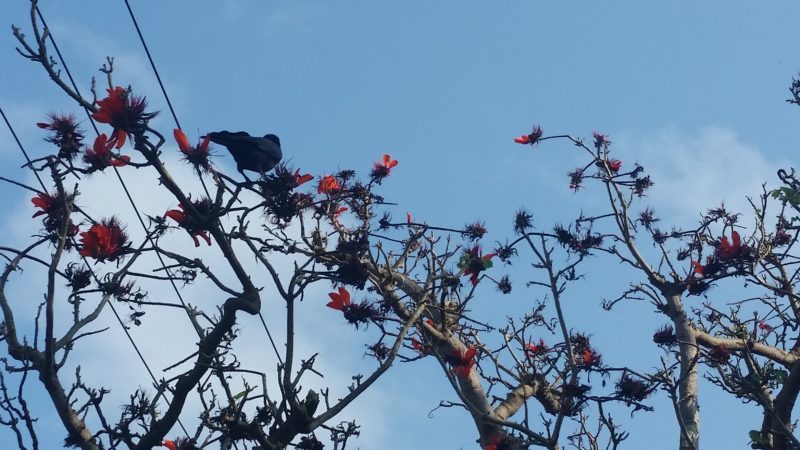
x: 258, y: 154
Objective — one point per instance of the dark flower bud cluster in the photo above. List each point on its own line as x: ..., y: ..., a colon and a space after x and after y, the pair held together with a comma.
x: 66, y: 135
x: 631, y: 389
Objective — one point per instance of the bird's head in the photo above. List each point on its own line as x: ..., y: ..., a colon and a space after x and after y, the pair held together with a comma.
x: 273, y: 138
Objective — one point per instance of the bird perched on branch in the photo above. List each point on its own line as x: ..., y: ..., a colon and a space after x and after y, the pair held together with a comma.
x: 257, y: 154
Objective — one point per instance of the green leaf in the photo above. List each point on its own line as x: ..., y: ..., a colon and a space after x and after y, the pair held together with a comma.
x: 778, y: 375
x: 241, y: 394
x: 787, y: 195
x: 755, y: 436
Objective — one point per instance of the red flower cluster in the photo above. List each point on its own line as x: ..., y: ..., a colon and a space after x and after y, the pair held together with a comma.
x: 105, y: 241
x: 329, y: 185
x: 45, y: 202
x: 198, y: 155
x: 191, y: 225
x: 462, y: 362
x: 100, y: 155
x: 590, y: 358
x: 123, y: 111
x: 497, y: 443
x: 727, y: 250
x: 418, y: 346
x: 532, y: 138
x: 50, y: 206
x: 600, y: 140
x: 383, y: 168
x: 613, y: 164
x: 472, y: 263
x: 533, y: 350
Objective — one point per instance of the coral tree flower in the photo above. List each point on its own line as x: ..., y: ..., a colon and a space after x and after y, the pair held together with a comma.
x: 590, y: 358
x: 532, y: 138
x: 50, y: 207
x: 105, y: 241
x: 355, y: 313
x: 496, y: 443
x: 44, y: 202
x: 301, y: 179
x: 697, y: 268
x: 100, y: 155
x: 730, y: 250
x: 472, y: 263
x: 600, y: 140
x: 192, y: 226
x: 532, y: 349
x: 198, y: 155
x: 329, y: 185
x: 384, y: 167
x: 339, y: 300
x: 462, y: 362
x: 123, y: 111
x: 418, y: 346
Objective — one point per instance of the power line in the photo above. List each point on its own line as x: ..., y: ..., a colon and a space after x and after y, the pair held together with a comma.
x: 177, y: 124
x: 130, y: 199
x: 19, y: 144
x: 94, y: 275
x: 152, y: 64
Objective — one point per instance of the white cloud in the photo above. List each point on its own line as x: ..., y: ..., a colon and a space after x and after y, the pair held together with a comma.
x: 697, y: 171
x: 165, y: 335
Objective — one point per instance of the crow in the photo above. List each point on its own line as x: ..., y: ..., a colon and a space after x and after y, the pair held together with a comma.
x: 257, y: 154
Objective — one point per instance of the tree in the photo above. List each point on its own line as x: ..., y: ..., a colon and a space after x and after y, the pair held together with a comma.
x: 417, y: 285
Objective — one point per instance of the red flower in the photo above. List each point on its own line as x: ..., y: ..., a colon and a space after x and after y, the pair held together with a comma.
x: 600, y: 140
x: 45, y: 202
x: 170, y: 444
x: 125, y: 112
x: 697, y: 268
x: 535, y: 349
x: 383, y: 168
x: 408, y: 218
x: 50, y: 206
x: 727, y: 250
x: 195, y: 155
x: 590, y: 358
x: 418, y: 346
x: 532, y: 138
x: 462, y: 362
x: 472, y: 263
x: 614, y: 165
x: 105, y: 241
x: 191, y: 225
x: 340, y: 300
x: 575, y: 179
x: 300, y: 179
x: 100, y: 155
x: 496, y: 443
x: 763, y: 326
x: 329, y: 185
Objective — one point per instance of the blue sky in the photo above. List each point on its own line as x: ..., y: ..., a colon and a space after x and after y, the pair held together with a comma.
x: 695, y: 92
